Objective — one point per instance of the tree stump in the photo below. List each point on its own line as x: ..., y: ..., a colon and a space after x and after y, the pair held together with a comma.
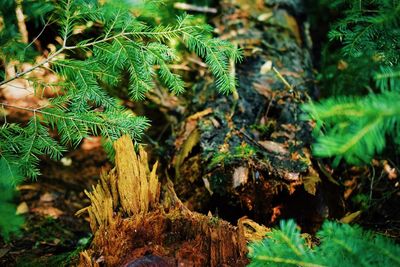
x: 133, y: 227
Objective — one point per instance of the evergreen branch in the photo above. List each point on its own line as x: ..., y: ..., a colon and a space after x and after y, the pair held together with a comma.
x: 176, y: 31
x: 340, y: 245
x: 279, y: 260
x: 347, y: 146
x: 67, y: 25
x: 10, y: 176
x: 355, y: 127
x: 288, y: 241
x: 388, y: 78
x: 385, y: 251
x: 98, y: 123
x: 98, y: 72
x: 219, y: 66
x: 168, y: 33
x: 124, y: 44
x: 28, y: 153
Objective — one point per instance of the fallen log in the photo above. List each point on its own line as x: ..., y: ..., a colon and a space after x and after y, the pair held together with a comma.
x: 247, y: 153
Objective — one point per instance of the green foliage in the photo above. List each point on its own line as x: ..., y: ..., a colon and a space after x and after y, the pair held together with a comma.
x: 357, y: 127
x: 124, y: 44
x: 10, y: 176
x: 368, y: 28
x: 239, y: 152
x: 367, y: 66
x: 340, y: 245
x: 122, y: 48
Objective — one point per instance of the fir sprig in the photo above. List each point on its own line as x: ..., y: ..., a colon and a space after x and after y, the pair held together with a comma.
x: 355, y: 128
x: 341, y: 245
x: 368, y: 26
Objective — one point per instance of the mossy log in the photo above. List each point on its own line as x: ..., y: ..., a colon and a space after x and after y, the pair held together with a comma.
x: 247, y: 153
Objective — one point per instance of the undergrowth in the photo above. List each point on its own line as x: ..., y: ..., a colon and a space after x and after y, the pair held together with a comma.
x: 360, y: 73
x: 120, y: 45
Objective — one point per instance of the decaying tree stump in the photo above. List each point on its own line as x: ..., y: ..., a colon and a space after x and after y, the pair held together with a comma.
x: 247, y: 153
x: 132, y: 227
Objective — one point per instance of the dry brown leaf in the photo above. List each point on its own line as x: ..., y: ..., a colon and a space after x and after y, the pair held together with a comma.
x: 292, y: 25
x: 274, y: 147
x: 190, y: 126
x: 290, y: 127
x: 276, y: 212
x: 22, y: 208
x: 286, y: 72
x: 391, y: 172
x: 186, y: 148
x: 265, y: 16
x: 90, y: 143
x: 47, y: 197
x: 291, y: 176
x: 252, y: 231
x: 350, y: 217
x: 48, y: 211
x: 287, y: 135
x: 200, y: 114
x: 207, y: 185
x: 17, y: 89
x: 240, y: 176
x: 34, y: 187
x: 350, y: 185
x: 264, y: 90
x: 266, y: 67
x: 310, y: 180
x: 295, y: 156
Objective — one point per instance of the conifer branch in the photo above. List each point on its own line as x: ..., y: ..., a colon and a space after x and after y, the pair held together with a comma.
x: 102, y: 124
x: 83, y: 106
x: 356, y: 128
x: 340, y: 245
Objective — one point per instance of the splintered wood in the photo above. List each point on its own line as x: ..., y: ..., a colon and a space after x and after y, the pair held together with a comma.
x: 131, y: 225
x: 138, y: 187
x: 130, y: 186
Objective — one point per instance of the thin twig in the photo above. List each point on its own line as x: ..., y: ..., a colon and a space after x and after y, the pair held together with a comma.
x: 279, y: 75
x: 371, y: 186
x: 20, y: 74
x: 40, y: 33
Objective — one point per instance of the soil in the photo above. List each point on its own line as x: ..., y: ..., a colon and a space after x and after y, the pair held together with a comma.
x: 52, y: 234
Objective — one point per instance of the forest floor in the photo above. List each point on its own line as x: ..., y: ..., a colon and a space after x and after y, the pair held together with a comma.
x: 53, y: 235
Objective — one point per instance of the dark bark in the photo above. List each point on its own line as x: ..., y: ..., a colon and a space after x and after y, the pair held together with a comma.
x: 247, y: 153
